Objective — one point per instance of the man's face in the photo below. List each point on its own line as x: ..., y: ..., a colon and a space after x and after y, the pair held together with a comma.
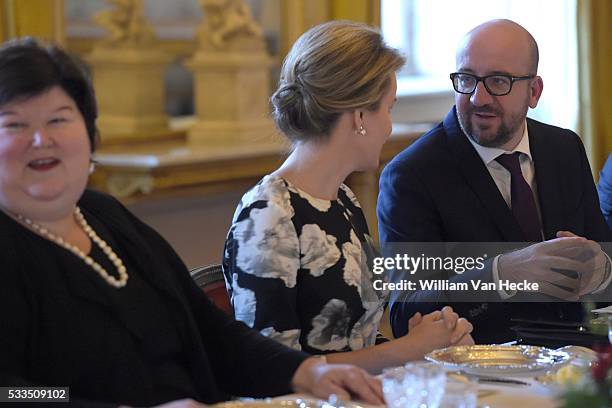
x: 495, y: 121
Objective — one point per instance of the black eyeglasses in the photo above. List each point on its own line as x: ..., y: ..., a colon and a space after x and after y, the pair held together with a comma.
x: 497, y: 85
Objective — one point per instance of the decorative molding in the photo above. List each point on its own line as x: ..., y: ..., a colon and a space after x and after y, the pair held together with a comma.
x: 177, y: 48
x: 125, y: 185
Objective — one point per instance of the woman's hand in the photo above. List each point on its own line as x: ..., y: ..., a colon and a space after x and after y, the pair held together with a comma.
x: 438, y: 329
x: 316, y: 377
x: 460, y: 327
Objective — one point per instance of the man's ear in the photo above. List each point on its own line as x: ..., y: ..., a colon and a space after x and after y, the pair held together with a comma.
x: 537, y: 86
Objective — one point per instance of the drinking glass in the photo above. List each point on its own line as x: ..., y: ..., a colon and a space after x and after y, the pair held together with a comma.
x: 393, y: 387
x: 414, y: 386
x: 459, y: 395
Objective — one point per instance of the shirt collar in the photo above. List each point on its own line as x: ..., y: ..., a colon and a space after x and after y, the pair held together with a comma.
x: 488, y: 154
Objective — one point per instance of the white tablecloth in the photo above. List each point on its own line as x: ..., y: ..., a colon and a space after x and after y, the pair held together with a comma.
x: 517, y: 396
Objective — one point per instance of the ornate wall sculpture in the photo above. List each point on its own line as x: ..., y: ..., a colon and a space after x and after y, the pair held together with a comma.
x: 125, y: 23
x: 231, y: 77
x: 128, y: 73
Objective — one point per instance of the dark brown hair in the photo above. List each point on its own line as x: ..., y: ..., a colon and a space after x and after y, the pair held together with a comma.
x: 28, y: 68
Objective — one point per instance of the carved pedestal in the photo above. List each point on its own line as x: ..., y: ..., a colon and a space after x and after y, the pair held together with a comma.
x: 231, y: 97
x: 129, y: 84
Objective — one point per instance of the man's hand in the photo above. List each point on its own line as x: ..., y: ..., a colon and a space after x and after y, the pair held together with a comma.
x: 596, y: 263
x: 542, y: 263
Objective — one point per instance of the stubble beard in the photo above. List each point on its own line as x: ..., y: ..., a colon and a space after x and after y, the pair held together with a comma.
x: 505, y: 131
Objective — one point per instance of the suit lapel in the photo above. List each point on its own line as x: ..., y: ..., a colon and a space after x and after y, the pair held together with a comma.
x: 548, y: 182
x: 480, y: 181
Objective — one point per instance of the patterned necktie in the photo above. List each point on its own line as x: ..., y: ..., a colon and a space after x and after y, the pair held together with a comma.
x: 521, y: 197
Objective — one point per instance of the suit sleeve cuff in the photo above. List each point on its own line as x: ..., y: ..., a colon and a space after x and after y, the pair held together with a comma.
x: 608, y: 274
x: 495, y: 273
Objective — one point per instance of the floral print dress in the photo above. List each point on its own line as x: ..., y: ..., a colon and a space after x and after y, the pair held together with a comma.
x: 298, y: 268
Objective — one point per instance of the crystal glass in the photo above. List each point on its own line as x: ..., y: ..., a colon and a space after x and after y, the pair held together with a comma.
x: 393, y: 386
x: 414, y: 386
x: 459, y: 395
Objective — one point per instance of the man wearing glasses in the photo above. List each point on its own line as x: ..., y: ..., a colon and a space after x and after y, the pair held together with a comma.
x: 489, y: 174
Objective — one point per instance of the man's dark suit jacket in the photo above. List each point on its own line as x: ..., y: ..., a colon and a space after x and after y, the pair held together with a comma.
x: 439, y: 190
x: 61, y: 325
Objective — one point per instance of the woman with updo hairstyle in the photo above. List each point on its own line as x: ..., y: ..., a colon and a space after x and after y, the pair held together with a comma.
x: 298, y: 255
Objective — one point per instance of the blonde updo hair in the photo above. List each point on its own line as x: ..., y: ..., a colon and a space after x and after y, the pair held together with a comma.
x: 335, y: 67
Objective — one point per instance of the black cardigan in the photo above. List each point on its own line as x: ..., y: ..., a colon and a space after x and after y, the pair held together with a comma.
x: 58, y: 328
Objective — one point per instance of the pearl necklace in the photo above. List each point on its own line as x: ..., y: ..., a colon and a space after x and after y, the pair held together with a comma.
x: 112, y: 256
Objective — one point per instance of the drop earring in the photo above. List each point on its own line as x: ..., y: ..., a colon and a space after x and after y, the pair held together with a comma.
x: 361, y: 130
x: 92, y: 166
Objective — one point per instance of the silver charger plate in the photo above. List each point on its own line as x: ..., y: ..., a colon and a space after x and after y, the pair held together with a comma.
x: 497, y: 359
